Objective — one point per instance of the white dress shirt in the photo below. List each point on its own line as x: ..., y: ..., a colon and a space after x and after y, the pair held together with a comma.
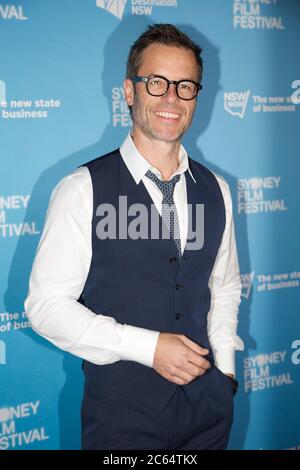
x: 62, y: 264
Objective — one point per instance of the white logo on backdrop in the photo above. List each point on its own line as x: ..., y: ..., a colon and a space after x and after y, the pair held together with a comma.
x: 12, y: 208
x: 25, y: 109
x: 256, y: 14
x: 296, y: 353
x: 120, y: 110
x: 266, y: 370
x: 2, y: 93
x: 235, y: 103
x: 12, y: 12
x: 115, y: 7
x: 2, y: 352
x: 13, y: 417
x: 295, y: 98
x: 247, y: 281
x: 268, y: 282
x: 138, y: 7
x: 259, y: 194
x: 13, y: 321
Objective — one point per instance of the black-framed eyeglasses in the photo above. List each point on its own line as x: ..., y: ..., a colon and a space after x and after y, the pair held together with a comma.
x: 157, y: 85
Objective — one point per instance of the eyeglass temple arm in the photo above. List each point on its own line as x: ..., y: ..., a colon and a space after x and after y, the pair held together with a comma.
x: 140, y: 79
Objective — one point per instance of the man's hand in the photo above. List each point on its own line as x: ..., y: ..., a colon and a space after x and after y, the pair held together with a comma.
x: 178, y: 359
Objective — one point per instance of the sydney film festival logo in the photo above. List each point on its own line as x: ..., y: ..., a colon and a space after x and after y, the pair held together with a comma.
x: 267, y: 370
x: 14, y: 423
x: 254, y: 14
x: 12, y: 12
x: 247, y: 282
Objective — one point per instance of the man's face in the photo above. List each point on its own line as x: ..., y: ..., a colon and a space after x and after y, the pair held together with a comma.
x: 165, y: 118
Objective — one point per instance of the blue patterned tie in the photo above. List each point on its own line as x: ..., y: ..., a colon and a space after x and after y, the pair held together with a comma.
x: 169, y: 211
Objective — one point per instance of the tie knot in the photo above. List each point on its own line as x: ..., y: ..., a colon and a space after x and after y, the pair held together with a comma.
x: 166, y: 187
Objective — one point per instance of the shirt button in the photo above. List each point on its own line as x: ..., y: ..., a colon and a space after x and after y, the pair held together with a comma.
x: 178, y: 316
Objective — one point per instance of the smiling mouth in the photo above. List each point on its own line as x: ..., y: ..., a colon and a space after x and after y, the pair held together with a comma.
x: 166, y: 115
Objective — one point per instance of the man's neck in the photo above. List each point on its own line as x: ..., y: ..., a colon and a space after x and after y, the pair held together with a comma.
x: 161, y: 155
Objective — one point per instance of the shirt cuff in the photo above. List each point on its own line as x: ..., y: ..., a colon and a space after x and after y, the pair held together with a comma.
x: 225, y: 361
x: 138, y: 344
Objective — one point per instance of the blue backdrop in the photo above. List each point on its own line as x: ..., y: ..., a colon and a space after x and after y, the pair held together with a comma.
x: 61, y: 104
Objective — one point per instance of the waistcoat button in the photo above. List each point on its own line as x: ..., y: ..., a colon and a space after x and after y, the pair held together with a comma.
x: 178, y: 286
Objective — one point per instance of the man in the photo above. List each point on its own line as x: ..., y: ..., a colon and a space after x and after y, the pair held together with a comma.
x: 153, y: 317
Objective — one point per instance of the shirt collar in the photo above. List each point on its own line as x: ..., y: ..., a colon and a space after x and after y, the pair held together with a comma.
x: 138, y: 165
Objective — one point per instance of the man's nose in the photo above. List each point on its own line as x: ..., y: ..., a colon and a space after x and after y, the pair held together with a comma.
x: 171, y: 94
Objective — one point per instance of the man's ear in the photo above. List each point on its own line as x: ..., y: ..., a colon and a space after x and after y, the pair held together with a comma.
x: 128, y: 91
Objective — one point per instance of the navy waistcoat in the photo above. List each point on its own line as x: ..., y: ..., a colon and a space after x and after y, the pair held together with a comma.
x: 141, y: 282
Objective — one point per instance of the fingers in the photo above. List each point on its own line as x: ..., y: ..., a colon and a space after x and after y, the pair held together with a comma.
x: 184, y: 372
x: 181, y: 381
x: 197, y: 360
x: 194, y: 346
x: 179, y: 359
x: 180, y: 377
x: 195, y: 371
x: 186, y: 375
x: 195, y: 353
x: 188, y: 371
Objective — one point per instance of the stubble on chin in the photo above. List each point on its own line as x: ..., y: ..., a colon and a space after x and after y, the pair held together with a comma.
x: 145, y: 127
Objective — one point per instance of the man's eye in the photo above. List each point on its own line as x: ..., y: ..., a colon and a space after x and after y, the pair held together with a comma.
x: 156, y: 82
x: 185, y: 86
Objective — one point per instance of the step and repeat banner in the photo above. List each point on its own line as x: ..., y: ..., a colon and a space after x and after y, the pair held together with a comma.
x: 61, y: 104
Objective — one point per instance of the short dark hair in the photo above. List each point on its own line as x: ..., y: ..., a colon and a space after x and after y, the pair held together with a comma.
x: 166, y: 34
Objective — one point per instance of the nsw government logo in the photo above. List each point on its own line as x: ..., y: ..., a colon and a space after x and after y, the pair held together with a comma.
x: 247, y: 282
x: 235, y: 103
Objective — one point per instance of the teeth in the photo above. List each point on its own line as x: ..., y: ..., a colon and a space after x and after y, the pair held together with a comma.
x: 168, y: 115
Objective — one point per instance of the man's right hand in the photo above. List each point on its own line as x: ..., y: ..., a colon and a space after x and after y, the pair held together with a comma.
x: 178, y: 359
